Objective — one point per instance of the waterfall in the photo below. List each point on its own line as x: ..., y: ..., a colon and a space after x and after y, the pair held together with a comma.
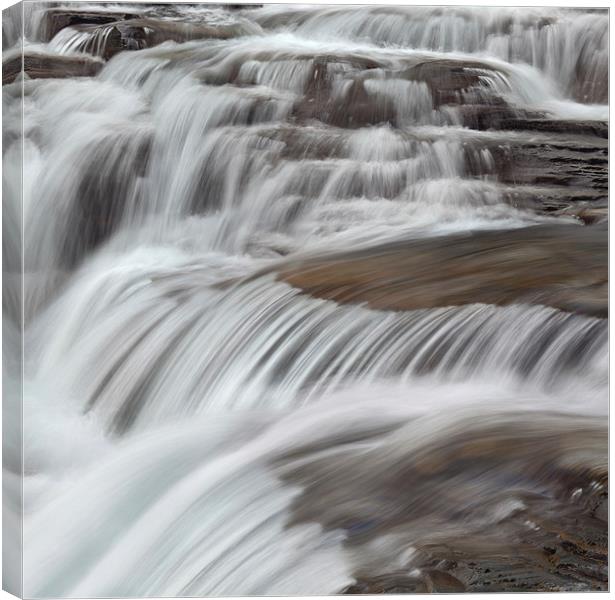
x: 195, y: 422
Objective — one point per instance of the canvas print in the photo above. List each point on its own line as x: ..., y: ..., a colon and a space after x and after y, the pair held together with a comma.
x: 304, y: 299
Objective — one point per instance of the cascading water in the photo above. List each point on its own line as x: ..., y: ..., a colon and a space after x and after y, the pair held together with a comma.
x: 194, y: 424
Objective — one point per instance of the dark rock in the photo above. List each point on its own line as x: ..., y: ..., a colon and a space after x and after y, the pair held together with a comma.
x: 462, y: 84
x: 447, y: 79
x: 240, y: 6
x: 595, y: 128
x: 490, y: 116
x: 591, y: 90
x: 360, y: 109
x: 56, y: 19
x: 391, y: 583
x: 42, y: 66
x: 151, y: 32
x: 354, y: 108
x: 587, y: 206
x: 553, y: 164
x: 563, y: 266
x: 442, y: 582
x: 555, y: 173
x: 106, y: 182
x: 141, y: 33
x: 531, y: 525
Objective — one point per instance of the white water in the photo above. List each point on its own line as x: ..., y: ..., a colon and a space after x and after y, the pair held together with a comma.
x: 165, y: 411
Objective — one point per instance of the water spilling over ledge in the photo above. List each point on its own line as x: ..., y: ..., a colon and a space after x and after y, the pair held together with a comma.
x: 314, y: 298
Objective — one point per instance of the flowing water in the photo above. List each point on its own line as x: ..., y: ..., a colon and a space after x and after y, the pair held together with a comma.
x: 193, y: 426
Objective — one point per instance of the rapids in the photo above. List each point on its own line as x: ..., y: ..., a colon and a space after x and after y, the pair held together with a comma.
x: 192, y: 425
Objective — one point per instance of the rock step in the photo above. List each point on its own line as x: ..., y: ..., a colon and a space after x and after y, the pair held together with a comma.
x: 56, y: 19
x: 42, y: 66
x: 563, y: 266
x: 114, y: 37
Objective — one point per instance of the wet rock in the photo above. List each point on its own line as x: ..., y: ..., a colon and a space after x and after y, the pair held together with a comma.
x: 305, y: 143
x: 336, y: 93
x: 587, y: 213
x: 491, y: 507
x: 560, y: 548
x: 442, y: 582
x: 468, y: 86
x: 565, y: 267
x: 493, y: 115
x: 465, y: 84
x: 98, y: 204
x: 139, y: 33
x: 42, y: 66
x: 359, y: 109
x: 594, y: 128
x: 591, y: 83
x: 560, y: 163
x: 56, y: 19
x: 315, y: 101
x: 241, y: 6
x: 535, y: 559
x: 553, y: 173
x: 351, y: 107
x: 391, y: 583
x: 449, y: 79
x: 587, y: 206
x: 591, y: 90
x: 446, y: 75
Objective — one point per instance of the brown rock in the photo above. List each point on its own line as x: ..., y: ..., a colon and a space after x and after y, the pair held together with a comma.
x: 354, y: 108
x: 41, y: 66
x: 137, y: 34
x: 491, y: 115
x: 562, y: 266
x: 56, y: 19
x: 594, y: 128
x: 560, y: 163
